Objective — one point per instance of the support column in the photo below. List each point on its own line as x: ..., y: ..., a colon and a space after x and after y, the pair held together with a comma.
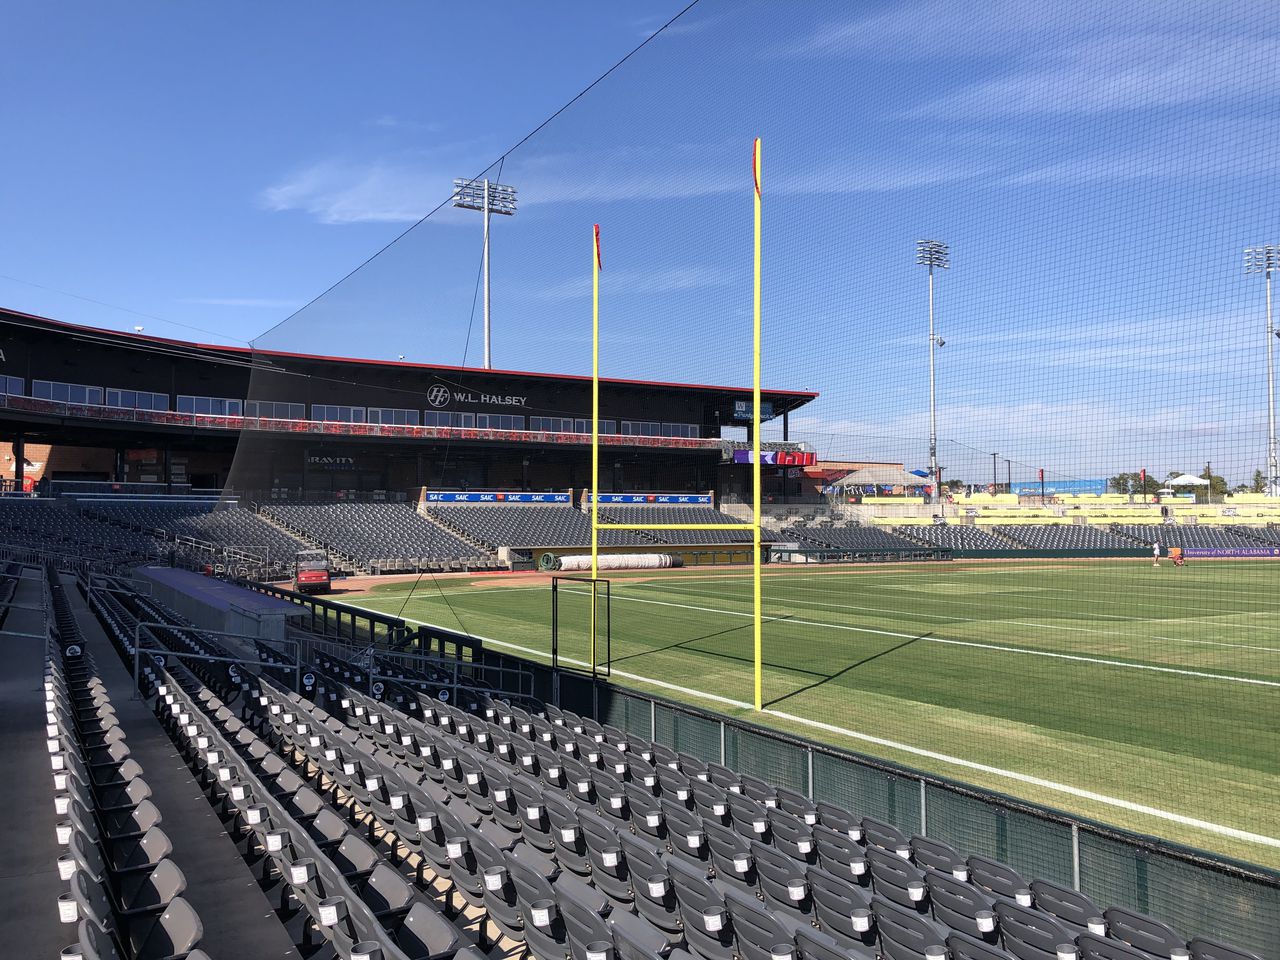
x: 19, y: 461
x: 168, y: 469
x: 786, y: 425
x: 117, y: 473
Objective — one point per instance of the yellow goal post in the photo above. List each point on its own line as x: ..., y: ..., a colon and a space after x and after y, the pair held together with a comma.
x: 754, y: 525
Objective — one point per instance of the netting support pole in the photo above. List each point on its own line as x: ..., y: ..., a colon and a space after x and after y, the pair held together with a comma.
x: 595, y: 430
x: 756, y: 605
x: 1075, y: 856
x: 924, y: 812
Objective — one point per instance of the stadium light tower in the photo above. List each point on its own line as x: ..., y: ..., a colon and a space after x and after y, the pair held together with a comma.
x: 933, y: 253
x: 488, y: 198
x: 1264, y: 260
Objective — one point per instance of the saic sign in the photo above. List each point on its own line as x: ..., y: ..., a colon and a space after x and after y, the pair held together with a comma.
x: 698, y: 499
x: 497, y: 497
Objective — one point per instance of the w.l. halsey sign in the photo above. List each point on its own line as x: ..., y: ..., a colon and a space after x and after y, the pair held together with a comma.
x: 440, y: 395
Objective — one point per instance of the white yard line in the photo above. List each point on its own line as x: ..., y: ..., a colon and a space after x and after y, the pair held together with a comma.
x: 1215, y: 828
x: 967, y: 643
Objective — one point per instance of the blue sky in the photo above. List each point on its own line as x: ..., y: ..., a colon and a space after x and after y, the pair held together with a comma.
x: 1097, y: 172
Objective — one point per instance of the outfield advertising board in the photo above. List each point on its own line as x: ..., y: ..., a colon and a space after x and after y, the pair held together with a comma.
x: 779, y: 458
x: 678, y: 499
x: 1210, y: 552
x: 497, y: 497
x: 1058, y: 488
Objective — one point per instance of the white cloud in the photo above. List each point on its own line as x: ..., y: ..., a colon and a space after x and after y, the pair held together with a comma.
x: 635, y: 282
x: 333, y: 191
x: 389, y: 121
x: 1128, y: 72
x: 405, y: 189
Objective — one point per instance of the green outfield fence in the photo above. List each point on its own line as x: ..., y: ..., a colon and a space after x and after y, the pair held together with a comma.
x: 1196, y: 893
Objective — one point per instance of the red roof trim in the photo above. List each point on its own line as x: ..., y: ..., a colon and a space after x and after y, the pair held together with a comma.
x: 144, y: 338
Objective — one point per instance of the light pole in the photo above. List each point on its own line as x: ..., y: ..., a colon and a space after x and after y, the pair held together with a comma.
x: 1263, y: 260
x: 933, y: 253
x: 994, y: 486
x: 488, y: 198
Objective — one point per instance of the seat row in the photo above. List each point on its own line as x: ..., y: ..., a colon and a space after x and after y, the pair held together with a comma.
x: 516, y: 792
x: 331, y: 888
x: 901, y: 900
x: 124, y: 891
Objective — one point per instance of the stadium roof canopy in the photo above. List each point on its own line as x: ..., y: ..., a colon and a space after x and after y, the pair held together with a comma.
x: 882, y: 476
x: 279, y: 361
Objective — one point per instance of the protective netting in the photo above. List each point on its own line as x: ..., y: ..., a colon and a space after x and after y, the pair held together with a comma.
x: 1095, y: 350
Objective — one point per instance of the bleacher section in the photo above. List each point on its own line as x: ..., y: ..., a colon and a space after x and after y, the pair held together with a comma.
x: 227, y: 526
x: 541, y: 525
x: 438, y: 833
x: 846, y: 538
x: 380, y: 537
x: 955, y: 537
x: 1179, y: 535
x: 665, y: 514
x: 53, y: 524
x: 1064, y: 537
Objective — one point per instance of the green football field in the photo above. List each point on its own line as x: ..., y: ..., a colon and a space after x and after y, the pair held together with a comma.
x: 1147, y: 698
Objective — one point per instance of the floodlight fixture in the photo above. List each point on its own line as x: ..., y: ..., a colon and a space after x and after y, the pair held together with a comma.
x: 933, y: 253
x: 1264, y: 260
x: 487, y: 198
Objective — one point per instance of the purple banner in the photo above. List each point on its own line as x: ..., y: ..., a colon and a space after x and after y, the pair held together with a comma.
x: 1208, y: 552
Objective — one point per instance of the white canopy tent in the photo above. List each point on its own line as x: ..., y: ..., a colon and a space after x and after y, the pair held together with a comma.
x: 1187, y: 480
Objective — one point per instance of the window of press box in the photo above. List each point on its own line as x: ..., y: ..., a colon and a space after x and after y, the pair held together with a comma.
x: 568, y: 425
x: 440, y: 418
x: 649, y: 428
x: 275, y: 410
x: 66, y: 392
x: 499, y: 421
x: 395, y: 416
x: 13, y: 386
x: 210, y: 406
x: 137, y: 399
x: 335, y: 413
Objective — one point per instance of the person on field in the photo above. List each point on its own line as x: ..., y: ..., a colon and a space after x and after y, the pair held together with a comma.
x: 1155, y: 554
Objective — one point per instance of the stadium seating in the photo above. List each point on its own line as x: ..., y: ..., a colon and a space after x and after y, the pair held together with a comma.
x: 444, y: 830
x: 678, y: 514
x: 1063, y: 536
x: 52, y: 524
x: 846, y: 538
x: 380, y: 537
x: 1180, y: 535
x: 955, y: 536
x: 225, y: 525
x: 124, y: 890
x: 540, y: 525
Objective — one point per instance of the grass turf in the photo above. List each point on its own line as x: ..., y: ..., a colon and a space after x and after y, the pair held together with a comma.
x: 950, y: 659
